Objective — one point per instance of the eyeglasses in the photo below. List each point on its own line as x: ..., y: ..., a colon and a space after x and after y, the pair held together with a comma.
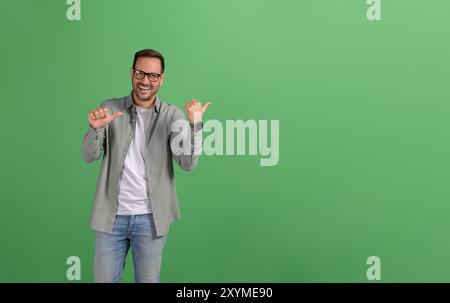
x: 152, y: 77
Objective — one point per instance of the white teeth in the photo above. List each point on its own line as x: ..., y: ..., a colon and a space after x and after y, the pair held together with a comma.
x: 143, y: 87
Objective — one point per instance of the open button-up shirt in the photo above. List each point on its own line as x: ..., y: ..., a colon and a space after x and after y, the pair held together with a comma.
x: 113, y: 141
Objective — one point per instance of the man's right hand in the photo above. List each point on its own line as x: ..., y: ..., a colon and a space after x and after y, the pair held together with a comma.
x: 99, y: 117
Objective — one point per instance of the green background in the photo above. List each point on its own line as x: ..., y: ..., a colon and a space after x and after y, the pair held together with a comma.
x: 364, y: 150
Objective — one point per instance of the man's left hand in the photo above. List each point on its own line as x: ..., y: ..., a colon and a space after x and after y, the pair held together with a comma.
x: 195, y: 110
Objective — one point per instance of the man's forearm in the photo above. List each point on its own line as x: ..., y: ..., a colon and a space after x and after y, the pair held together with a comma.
x: 187, y: 157
x: 93, y: 144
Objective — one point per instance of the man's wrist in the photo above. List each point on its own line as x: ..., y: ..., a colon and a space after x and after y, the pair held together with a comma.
x: 196, y: 126
x: 96, y: 131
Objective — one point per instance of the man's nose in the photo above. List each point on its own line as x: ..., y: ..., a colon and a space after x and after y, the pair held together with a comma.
x: 145, y: 80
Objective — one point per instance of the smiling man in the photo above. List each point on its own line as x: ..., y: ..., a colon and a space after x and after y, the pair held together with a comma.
x: 136, y: 200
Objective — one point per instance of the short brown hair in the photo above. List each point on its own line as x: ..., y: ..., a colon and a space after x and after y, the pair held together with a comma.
x: 149, y: 53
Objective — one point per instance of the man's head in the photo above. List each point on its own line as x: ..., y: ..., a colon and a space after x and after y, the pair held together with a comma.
x: 147, y: 74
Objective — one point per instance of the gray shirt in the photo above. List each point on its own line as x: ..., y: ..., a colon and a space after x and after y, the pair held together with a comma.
x: 113, y: 141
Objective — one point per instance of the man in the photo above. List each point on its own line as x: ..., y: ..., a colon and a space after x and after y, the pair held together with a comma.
x: 136, y: 200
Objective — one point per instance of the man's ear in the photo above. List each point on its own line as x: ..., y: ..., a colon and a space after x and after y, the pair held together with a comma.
x: 162, y: 79
x: 131, y: 72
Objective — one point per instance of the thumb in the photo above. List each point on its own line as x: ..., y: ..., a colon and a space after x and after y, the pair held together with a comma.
x: 204, y: 107
x: 115, y: 115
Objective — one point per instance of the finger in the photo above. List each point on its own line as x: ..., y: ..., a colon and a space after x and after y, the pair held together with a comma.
x: 104, y: 113
x: 100, y: 113
x: 193, y: 102
x: 204, y: 107
x: 96, y: 114
x: 115, y: 115
x: 91, y: 117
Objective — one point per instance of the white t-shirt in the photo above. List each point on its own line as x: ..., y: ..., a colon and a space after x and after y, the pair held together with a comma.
x: 133, y: 194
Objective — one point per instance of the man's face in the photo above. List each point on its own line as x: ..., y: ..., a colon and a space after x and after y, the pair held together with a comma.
x: 144, y: 89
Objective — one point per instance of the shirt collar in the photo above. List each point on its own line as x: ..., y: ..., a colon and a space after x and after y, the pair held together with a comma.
x: 129, y: 102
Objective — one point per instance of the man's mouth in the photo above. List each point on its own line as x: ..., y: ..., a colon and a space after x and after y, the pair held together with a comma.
x: 144, y: 89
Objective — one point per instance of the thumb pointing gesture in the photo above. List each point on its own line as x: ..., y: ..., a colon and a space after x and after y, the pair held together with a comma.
x: 195, y: 110
x: 113, y: 116
x: 99, y: 117
x: 204, y: 107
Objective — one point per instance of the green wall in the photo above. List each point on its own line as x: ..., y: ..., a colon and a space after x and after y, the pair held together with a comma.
x: 364, y: 151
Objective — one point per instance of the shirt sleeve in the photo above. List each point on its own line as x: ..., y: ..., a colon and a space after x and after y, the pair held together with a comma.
x: 93, y: 143
x: 185, y: 141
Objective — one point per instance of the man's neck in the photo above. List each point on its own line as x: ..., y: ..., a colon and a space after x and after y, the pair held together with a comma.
x: 144, y: 104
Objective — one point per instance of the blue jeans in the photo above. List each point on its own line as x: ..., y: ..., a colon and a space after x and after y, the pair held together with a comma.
x: 137, y: 232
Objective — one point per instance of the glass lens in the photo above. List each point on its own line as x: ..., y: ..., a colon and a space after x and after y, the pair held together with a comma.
x: 139, y: 75
x: 153, y: 77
